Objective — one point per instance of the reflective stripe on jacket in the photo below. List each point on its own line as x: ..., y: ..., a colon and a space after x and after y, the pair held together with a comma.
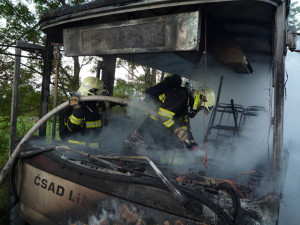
x: 173, y: 106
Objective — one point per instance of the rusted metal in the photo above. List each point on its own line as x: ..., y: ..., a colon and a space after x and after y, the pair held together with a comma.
x: 291, y: 40
x: 165, y: 33
x: 45, y: 93
x: 57, y: 57
x: 64, y: 189
x: 108, y: 72
x: 20, y: 45
x: 14, y: 104
x: 279, y: 86
x: 63, y: 199
x: 72, y: 14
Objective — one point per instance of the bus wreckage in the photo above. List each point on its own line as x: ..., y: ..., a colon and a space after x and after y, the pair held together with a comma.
x: 237, y: 47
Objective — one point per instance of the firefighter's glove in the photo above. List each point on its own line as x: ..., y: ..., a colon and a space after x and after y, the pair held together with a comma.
x: 193, y: 146
x: 74, y: 102
x: 182, y: 136
x: 186, y: 139
x: 192, y: 113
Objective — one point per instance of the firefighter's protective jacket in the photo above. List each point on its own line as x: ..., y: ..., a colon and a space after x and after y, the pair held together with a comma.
x: 84, y: 124
x: 173, y: 104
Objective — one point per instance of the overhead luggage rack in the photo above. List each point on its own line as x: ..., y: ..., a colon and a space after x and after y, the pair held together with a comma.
x: 232, y: 119
x: 249, y: 112
x: 229, y: 115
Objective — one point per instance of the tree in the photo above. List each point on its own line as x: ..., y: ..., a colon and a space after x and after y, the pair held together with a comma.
x: 19, y: 22
x: 138, y: 79
x: 293, y: 19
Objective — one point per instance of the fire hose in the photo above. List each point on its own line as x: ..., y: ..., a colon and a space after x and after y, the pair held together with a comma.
x: 17, y: 150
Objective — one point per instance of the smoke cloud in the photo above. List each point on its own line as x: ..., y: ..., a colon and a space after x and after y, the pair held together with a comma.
x: 289, y: 209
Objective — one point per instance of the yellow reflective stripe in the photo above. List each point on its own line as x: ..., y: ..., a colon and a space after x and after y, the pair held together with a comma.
x: 185, y: 118
x: 153, y: 117
x: 184, y: 128
x: 94, y: 145
x: 66, y: 124
x: 76, y: 142
x: 93, y: 124
x: 172, y: 160
x: 168, y: 123
x: 75, y: 120
x: 166, y: 113
x: 91, y: 144
x: 162, y: 97
x: 196, y: 101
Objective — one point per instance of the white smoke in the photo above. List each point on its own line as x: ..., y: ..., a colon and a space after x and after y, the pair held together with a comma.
x: 290, y: 203
x: 230, y: 153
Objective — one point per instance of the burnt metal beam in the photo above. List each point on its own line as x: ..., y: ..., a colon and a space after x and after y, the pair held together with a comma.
x: 72, y: 14
x: 57, y: 57
x: 14, y: 103
x: 156, y: 34
x: 213, y: 115
x: 279, y: 77
x: 30, y: 47
x: 20, y: 45
x: 48, y: 56
x: 279, y: 86
x: 108, y: 72
x: 234, y: 112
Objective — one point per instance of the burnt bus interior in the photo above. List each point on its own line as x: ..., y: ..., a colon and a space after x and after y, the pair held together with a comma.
x: 235, y: 47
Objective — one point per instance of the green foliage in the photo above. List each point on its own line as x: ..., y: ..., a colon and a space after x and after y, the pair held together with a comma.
x: 4, y: 203
x: 19, y: 23
x: 294, y: 18
x: 130, y: 89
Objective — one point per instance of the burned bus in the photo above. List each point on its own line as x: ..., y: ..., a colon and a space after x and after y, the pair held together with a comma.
x: 237, y: 48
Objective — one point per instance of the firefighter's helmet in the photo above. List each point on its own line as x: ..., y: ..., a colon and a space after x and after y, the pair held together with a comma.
x: 91, y: 86
x: 204, y: 97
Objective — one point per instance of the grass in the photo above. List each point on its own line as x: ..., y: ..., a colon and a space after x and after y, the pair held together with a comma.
x: 24, y: 124
x: 4, y: 203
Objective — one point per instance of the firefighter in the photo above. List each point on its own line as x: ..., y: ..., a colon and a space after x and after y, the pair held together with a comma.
x: 82, y: 121
x: 176, y: 104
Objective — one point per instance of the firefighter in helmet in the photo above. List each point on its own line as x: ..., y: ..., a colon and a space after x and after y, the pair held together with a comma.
x: 176, y: 104
x: 203, y: 99
x: 82, y: 121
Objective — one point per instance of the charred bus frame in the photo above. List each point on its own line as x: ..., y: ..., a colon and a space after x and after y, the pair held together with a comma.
x: 58, y: 19
x: 96, y: 22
